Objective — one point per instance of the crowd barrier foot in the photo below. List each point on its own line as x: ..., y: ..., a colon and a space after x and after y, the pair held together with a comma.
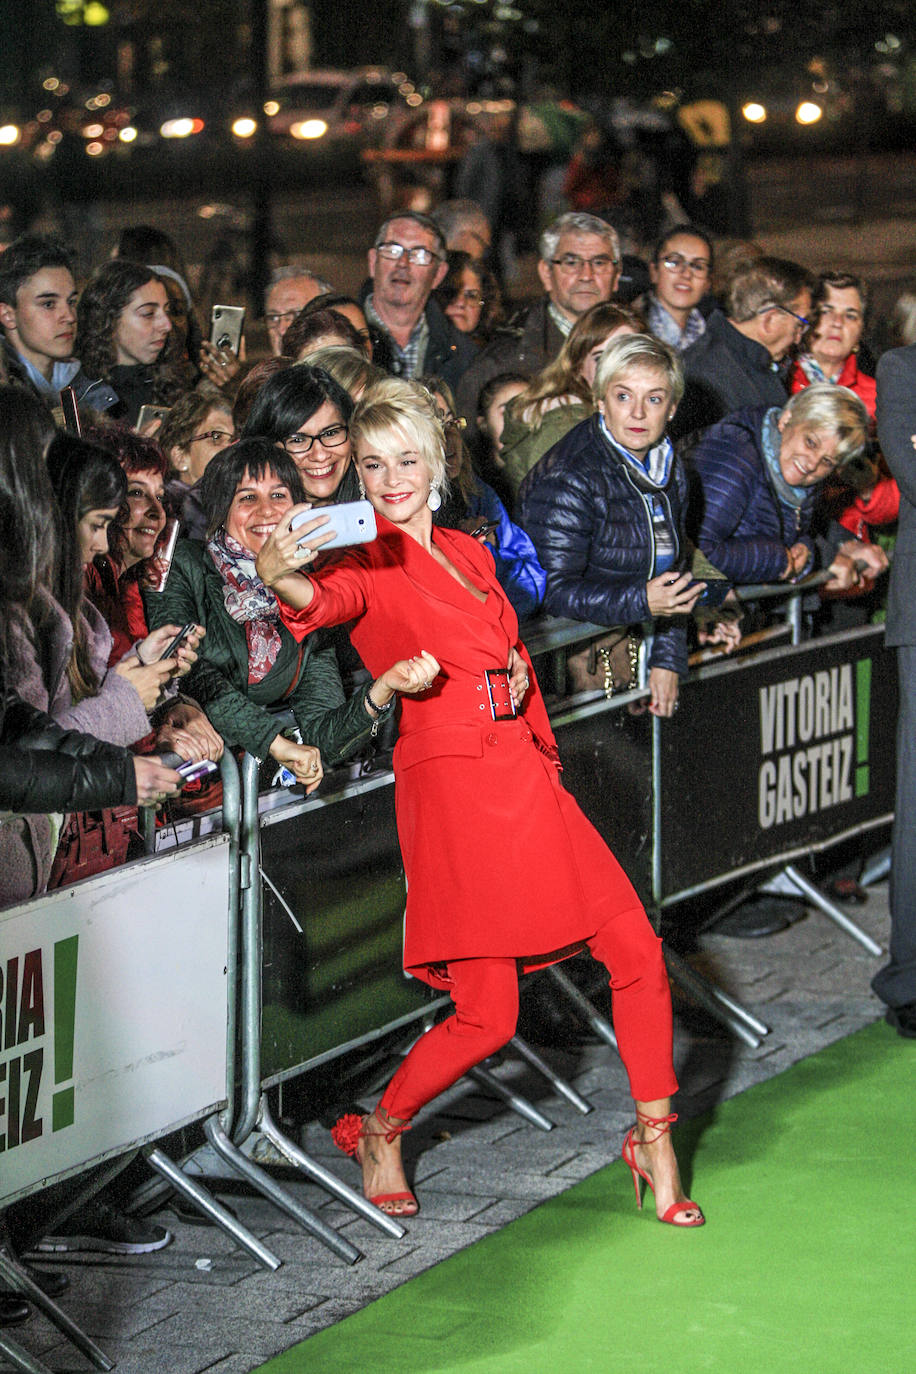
x: 790, y: 882
x: 20, y: 1359
x: 17, y: 1278
x: 559, y: 1084
x: 274, y: 1193
x: 292, y: 1154
x: 725, y: 1009
x: 206, y: 1203
x: 520, y: 1105
x: 602, y: 1028
x: 877, y: 867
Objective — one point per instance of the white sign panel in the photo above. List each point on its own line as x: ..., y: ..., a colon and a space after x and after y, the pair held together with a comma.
x: 112, y: 1012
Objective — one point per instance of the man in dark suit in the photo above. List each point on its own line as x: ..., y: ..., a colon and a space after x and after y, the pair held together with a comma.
x: 895, y: 984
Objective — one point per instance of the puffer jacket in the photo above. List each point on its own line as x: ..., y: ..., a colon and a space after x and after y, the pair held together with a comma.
x: 736, y: 517
x: 591, y: 524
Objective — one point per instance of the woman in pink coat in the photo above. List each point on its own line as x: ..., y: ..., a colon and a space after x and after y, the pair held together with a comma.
x: 503, y: 870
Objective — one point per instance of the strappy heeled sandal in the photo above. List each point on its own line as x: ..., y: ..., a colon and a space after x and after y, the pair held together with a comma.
x: 661, y: 1124
x: 346, y: 1134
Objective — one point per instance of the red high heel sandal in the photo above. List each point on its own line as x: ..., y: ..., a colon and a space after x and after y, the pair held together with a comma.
x: 346, y: 1134
x: 663, y: 1125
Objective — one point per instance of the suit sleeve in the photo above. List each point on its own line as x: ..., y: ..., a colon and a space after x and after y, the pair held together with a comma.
x: 897, y: 417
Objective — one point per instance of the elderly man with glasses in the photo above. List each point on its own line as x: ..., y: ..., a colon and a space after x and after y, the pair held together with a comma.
x: 579, y: 266
x: 411, y: 335
x: 735, y: 363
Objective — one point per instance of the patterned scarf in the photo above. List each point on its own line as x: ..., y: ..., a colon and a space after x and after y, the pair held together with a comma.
x: 666, y: 327
x: 792, y: 497
x: 248, y: 602
x: 813, y: 370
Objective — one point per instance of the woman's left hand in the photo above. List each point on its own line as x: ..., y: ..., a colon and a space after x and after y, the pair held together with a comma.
x: 724, y: 632
x: 151, y: 649
x: 188, y: 732
x: 518, y: 677
x: 219, y: 365
x: 410, y: 676
x: 663, y: 686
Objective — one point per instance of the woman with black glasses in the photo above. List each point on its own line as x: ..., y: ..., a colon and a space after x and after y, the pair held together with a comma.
x: 306, y: 413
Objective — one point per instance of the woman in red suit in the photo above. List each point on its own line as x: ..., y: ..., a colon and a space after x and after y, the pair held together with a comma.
x: 503, y: 870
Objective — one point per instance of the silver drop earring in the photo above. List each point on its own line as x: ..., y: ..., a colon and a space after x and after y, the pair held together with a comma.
x: 362, y: 490
x: 434, y: 499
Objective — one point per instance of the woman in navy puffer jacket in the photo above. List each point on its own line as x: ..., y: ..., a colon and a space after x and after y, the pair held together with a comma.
x: 605, y: 508
x: 756, y: 478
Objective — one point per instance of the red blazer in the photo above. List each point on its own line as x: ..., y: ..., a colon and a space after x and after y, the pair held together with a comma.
x: 499, y: 859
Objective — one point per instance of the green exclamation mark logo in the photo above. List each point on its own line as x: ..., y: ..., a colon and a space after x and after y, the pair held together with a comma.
x: 863, y: 719
x: 62, y: 1103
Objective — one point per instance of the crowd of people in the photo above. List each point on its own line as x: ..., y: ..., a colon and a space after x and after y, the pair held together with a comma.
x: 630, y: 459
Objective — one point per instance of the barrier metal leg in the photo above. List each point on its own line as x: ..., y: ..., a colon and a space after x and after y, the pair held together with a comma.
x: 518, y: 1104
x: 17, y: 1278
x: 205, y: 1202
x: 324, y: 1178
x: 272, y: 1190
x: 19, y: 1358
x: 791, y: 881
x: 565, y: 1089
x: 718, y: 1003
x: 602, y: 1027
x: 878, y: 867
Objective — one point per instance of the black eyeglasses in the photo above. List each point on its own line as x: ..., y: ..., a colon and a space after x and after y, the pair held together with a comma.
x: 676, y: 263
x: 216, y: 436
x: 332, y: 437
x: 419, y: 256
x: 278, y: 317
x: 571, y: 262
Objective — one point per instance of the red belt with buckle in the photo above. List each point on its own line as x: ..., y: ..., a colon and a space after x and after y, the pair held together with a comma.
x: 502, y: 707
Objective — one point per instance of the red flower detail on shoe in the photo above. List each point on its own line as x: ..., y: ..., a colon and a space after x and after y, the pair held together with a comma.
x: 346, y: 1133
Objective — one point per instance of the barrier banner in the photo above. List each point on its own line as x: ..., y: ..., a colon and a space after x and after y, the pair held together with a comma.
x: 112, y: 1013
x: 775, y: 754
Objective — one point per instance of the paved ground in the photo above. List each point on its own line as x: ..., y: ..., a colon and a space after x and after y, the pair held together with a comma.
x: 201, y: 1306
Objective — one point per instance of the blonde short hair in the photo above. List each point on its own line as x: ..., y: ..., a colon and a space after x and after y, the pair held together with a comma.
x: 836, y: 409
x: 638, y: 350
x: 394, y: 414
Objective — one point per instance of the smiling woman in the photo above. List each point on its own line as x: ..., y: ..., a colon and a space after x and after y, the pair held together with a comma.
x: 249, y: 661
x: 757, y: 474
x: 475, y: 761
x: 306, y: 413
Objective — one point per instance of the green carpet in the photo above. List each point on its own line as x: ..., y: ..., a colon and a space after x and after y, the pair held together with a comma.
x: 807, y: 1261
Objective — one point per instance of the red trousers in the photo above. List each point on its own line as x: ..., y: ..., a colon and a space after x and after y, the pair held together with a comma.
x: 485, y: 994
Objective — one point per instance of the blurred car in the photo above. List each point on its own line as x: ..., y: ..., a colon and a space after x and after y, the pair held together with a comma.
x: 334, y: 106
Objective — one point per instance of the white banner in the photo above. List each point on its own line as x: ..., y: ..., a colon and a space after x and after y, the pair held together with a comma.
x: 113, y: 1006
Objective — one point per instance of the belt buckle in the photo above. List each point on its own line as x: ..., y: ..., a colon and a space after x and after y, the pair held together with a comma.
x: 499, y: 694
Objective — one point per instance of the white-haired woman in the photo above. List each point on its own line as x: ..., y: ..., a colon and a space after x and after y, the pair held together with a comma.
x: 757, y: 478
x: 605, y: 508
x: 503, y: 870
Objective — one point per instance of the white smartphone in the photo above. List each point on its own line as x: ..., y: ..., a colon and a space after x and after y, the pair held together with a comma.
x: 352, y: 522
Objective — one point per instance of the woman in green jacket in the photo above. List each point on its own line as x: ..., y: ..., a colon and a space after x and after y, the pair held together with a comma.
x: 560, y: 397
x: 250, y: 661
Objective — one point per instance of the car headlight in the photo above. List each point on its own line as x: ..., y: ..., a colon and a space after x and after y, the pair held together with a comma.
x: 181, y: 128
x: 309, y: 128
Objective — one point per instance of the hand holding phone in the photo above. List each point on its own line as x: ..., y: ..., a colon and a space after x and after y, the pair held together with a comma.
x: 226, y: 324
x: 352, y: 522
x: 172, y: 648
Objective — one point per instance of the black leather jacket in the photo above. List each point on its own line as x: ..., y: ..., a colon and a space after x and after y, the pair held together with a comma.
x: 45, y: 768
